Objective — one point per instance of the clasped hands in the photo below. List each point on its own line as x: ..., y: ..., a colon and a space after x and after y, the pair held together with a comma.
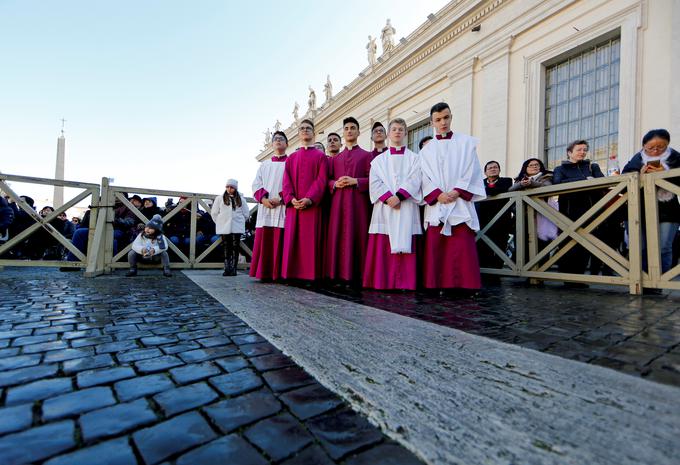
x: 345, y: 181
x: 301, y: 204
x: 271, y: 203
x: 448, y: 197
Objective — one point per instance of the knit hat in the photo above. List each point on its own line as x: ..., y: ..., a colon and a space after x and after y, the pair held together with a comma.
x: 232, y: 183
x: 156, y: 223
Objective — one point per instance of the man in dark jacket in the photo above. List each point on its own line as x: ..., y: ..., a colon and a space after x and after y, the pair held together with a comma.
x: 6, y: 218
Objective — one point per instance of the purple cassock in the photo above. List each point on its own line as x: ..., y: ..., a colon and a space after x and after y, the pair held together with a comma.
x: 350, y: 215
x: 305, y: 176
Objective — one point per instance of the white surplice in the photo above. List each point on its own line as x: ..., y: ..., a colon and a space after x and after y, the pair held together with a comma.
x: 270, y: 178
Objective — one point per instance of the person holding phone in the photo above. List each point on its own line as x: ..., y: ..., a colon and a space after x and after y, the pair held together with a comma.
x: 657, y: 155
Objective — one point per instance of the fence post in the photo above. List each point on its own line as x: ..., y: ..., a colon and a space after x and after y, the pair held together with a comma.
x: 634, y: 235
x: 192, y: 231
x: 520, y: 234
x: 651, y: 239
x: 97, y: 226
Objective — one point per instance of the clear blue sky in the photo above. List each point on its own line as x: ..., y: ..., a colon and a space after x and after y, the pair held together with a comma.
x: 170, y: 94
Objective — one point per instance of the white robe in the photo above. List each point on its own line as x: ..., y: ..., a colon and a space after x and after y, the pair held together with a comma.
x: 391, y: 173
x: 448, y: 164
x: 270, y: 178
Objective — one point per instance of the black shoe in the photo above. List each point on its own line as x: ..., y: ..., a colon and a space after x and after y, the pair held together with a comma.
x: 131, y: 273
x: 167, y: 273
x: 226, y: 272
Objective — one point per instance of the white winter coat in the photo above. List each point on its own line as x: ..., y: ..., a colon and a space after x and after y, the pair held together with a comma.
x: 227, y: 219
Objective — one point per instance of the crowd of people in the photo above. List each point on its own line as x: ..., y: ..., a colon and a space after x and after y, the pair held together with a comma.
x: 383, y: 219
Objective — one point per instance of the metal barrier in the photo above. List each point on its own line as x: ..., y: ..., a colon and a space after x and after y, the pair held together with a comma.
x: 85, y: 260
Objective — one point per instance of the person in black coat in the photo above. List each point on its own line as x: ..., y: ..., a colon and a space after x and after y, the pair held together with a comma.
x: 573, y: 205
x: 657, y: 155
x: 486, y: 210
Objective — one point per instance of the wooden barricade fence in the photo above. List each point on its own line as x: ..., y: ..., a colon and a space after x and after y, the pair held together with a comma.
x: 626, y: 193
x: 86, y: 260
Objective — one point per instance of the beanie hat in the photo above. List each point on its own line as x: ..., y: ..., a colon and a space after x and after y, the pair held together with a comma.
x: 156, y: 223
x: 232, y: 183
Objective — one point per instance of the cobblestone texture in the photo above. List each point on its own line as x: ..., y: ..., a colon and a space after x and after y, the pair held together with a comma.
x: 151, y: 370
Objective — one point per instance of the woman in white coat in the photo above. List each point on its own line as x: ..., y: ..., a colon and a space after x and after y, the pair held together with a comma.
x: 230, y: 212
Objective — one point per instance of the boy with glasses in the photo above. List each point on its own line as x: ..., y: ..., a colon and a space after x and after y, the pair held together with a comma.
x: 378, y: 137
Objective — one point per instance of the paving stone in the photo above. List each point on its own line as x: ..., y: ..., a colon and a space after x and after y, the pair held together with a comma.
x: 114, y: 452
x: 271, y: 362
x: 248, y: 408
x: 158, y: 340
x: 185, y: 398
x: 177, y: 348
x: 24, y: 375
x: 161, y: 363
x: 20, y: 361
x: 119, y: 346
x: 30, y: 340
x: 172, y: 436
x: 279, y: 436
x: 208, y: 353
x: 77, y: 402
x: 214, y: 341
x: 255, y: 350
x: 138, y: 354
x: 142, y: 386
x: 313, y: 455
x: 68, y: 354
x: 44, y: 347
x: 37, y: 443
x: 88, y: 363
x: 15, y: 418
x: 81, y: 334
x: 53, y: 329
x: 384, y: 454
x: 287, y: 378
x: 236, y: 383
x: 310, y: 401
x: 32, y: 325
x: 232, y: 450
x: 232, y: 364
x: 9, y: 352
x: 341, y: 433
x: 194, y: 372
x: 236, y: 330
x: 38, y: 390
x: 104, y: 376
x: 248, y: 339
x: 190, y: 335
x: 117, y: 419
x: 15, y: 333
x: 90, y: 341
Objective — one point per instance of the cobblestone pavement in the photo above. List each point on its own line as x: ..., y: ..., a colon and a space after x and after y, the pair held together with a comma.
x: 602, y: 325
x: 153, y: 370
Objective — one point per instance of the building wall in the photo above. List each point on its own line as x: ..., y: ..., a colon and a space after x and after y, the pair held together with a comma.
x: 494, y: 79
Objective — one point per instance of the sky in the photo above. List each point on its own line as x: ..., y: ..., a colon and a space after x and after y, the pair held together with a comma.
x: 171, y: 94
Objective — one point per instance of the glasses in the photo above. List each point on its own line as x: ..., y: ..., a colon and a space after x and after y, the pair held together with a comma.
x: 278, y: 139
x: 334, y: 139
x: 381, y: 130
x: 306, y: 129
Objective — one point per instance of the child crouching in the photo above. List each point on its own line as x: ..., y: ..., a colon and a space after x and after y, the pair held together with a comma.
x: 150, y: 246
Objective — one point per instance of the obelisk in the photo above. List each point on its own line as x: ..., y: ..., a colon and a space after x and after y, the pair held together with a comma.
x: 58, y: 199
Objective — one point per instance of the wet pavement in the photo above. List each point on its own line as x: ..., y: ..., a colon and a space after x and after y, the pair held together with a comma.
x: 603, y: 325
x: 154, y: 370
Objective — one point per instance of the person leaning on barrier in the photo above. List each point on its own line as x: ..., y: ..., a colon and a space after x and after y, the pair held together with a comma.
x: 494, y: 184
x: 150, y: 246
x: 657, y: 155
x: 576, y: 168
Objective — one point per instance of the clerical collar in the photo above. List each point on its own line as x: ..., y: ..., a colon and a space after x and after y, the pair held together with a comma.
x: 446, y: 136
x: 355, y: 146
x: 398, y: 150
x: 379, y: 151
x: 281, y: 157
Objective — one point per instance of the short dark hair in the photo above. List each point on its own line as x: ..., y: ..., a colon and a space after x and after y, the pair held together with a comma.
x: 657, y: 133
x: 280, y: 133
x: 489, y: 163
x: 422, y: 142
x: 437, y: 107
x: 308, y: 121
x: 377, y: 124
x: 570, y: 147
x: 333, y: 134
x: 323, y: 147
x: 350, y: 119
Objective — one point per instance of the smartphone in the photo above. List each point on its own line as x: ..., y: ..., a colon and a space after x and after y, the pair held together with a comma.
x: 654, y: 163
